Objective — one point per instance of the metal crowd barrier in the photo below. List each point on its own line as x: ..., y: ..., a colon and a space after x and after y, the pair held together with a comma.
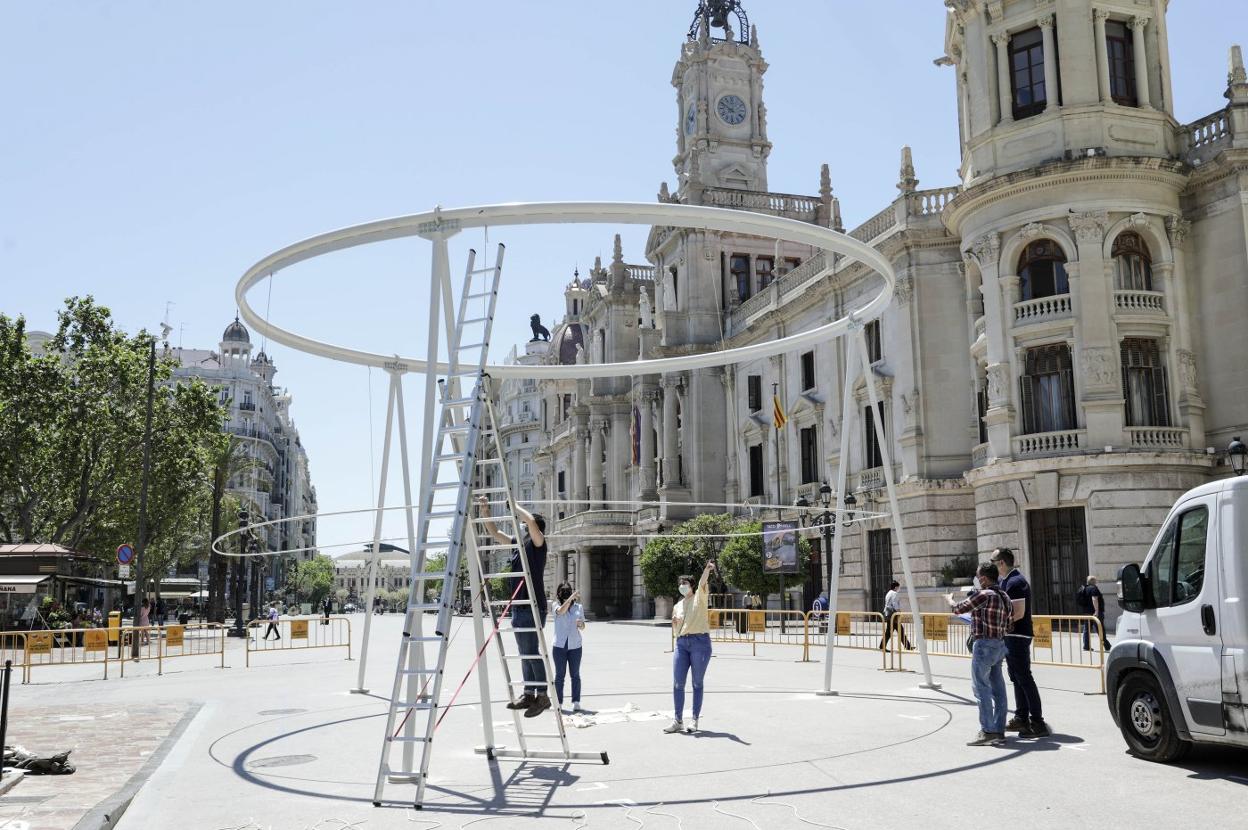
x: 13, y: 647
x: 103, y: 646
x: 298, y: 634
x: 1057, y: 640
x: 854, y: 629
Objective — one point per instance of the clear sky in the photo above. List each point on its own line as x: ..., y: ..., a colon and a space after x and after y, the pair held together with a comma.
x: 152, y: 151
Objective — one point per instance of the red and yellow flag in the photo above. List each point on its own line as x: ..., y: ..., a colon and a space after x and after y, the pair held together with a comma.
x: 777, y: 415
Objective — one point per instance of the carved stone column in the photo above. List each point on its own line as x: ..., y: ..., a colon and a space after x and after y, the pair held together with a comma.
x: 595, y: 494
x: 580, y: 476
x: 1102, y: 55
x: 1141, y: 62
x: 1191, y: 403
x: 670, y: 437
x: 1050, y: 63
x: 1004, y: 93
x: 644, y: 403
x: 1095, y: 358
x: 998, y: 318
x: 584, y: 581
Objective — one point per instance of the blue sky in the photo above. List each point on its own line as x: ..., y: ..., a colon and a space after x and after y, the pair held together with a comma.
x: 152, y: 151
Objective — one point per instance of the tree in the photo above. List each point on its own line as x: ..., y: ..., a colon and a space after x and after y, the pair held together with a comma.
x: 229, y: 460
x: 741, y: 562
x: 313, y: 578
x: 685, y: 551
x: 341, y: 595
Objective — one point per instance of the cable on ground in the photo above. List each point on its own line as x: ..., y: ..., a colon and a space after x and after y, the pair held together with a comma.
x: 680, y: 825
x: 722, y: 811
x: 758, y: 800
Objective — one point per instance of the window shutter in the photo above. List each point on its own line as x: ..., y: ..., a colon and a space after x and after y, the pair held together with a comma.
x: 1124, y: 354
x: 1027, y: 402
x: 1161, y: 397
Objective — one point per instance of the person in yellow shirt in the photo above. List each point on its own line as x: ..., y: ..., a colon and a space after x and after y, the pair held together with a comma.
x: 691, y: 622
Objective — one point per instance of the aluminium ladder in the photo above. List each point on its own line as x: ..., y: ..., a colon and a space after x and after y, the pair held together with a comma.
x: 445, y: 505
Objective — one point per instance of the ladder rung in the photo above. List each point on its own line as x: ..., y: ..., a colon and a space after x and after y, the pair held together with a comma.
x: 493, y: 519
x: 558, y: 735
x: 503, y: 574
x: 477, y: 320
x: 483, y: 490
x: 466, y: 346
x: 496, y: 547
x: 457, y: 428
x: 449, y: 485
x: 403, y: 739
x: 519, y: 630
x: 471, y: 399
x: 420, y: 671
x: 425, y: 606
x: 450, y: 456
x: 415, y: 706
x: 434, y: 545
x: 436, y: 639
x: 443, y: 514
x: 524, y: 657
x: 428, y: 575
x: 482, y: 294
x: 481, y: 462
x: 489, y: 269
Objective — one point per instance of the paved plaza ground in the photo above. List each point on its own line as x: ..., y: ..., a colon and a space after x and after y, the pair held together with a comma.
x: 283, y: 745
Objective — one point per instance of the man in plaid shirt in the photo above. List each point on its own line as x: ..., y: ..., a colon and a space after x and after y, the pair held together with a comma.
x: 990, y: 622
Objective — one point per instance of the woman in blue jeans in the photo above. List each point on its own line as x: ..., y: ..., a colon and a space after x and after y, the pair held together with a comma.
x: 691, y: 622
x: 569, y: 622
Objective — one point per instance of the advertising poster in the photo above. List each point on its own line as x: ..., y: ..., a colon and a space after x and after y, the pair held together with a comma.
x: 779, y: 547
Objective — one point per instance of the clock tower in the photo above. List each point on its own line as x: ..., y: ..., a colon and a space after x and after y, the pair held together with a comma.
x: 722, y: 122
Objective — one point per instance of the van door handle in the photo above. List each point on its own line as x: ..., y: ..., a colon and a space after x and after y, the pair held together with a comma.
x: 1207, y: 620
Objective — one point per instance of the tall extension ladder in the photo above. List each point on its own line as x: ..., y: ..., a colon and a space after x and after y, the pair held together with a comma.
x: 445, y: 505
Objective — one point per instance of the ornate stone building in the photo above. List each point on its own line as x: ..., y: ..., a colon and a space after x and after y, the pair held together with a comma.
x: 1061, y: 360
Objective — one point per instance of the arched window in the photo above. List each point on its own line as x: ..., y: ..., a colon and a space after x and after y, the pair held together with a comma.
x: 1042, y: 270
x: 1133, y: 267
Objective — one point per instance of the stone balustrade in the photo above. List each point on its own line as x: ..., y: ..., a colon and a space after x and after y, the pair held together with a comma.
x: 929, y: 202
x: 1045, y: 308
x: 788, y: 205
x: 1140, y: 302
x: 596, y: 519
x: 876, y: 226
x: 645, y: 273
x: 1049, y: 443
x: 872, y: 479
x: 979, y: 455
x: 1157, y: 438
x: 1202, y: 139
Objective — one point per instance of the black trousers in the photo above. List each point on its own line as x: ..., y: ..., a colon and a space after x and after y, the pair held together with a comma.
x: 1018, y: 665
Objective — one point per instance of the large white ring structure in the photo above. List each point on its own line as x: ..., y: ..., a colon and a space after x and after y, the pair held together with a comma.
x: 441, y: 224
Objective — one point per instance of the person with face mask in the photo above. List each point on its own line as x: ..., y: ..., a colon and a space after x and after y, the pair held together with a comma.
x: 990, y: 612
x: 691, y: 622
x: 566, y: 652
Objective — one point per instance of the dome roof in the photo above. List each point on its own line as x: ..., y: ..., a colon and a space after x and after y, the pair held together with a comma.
x: 236, y: 332
x: 565, y: 340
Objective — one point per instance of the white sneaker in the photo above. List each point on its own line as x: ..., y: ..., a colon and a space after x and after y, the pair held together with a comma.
x: 694, y: 727
x: 565, y: 710
x: 576, y: 707
x: 677, y: 726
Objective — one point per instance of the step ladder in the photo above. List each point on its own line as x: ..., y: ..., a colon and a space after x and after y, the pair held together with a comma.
x: 445, y: 529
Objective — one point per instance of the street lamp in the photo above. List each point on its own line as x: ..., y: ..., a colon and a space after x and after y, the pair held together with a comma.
x: 826, y: 522
x: 1238, y: 454
x: 850, y: 503
x: 239, y: 630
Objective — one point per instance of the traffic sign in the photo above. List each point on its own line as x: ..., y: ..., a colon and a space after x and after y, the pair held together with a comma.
x: 123, y: 571
x: 125, y: 555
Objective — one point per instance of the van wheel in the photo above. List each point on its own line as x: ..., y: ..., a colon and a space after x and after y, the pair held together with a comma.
x: 1145, y: 720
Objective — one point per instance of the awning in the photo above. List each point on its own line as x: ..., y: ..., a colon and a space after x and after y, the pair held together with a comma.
x: 22, y: 584
x: 92, y: 581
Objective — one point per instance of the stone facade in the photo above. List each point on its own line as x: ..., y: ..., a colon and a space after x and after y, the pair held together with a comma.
x: 1060, y: 362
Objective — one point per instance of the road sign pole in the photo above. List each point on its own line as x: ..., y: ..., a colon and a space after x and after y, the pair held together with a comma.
x: 147, y: 468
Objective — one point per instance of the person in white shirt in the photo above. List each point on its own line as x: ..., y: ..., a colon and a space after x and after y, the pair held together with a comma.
x: 566, y: 653
x: 892, y: 604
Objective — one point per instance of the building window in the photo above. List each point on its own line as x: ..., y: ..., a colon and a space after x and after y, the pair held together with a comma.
x: 562, y: 488
x: 808, y: 371
x: 1059, y: 558
x: 526, y: 468
x: 1133, y: 267
x: 1042, y: 270
x: 1144, y: 384
x: 1048, y: 390
x: 764, y: 269
x: 874, y: 457
x: 1027, y: 73
x: 791, y: 262
x: 1120, y: 49
x: 739, y: 266
x: 875, y: 346
x: 981, y: 407
x: 879, y: 565
x: 754, y: 391
x: 809, y: 440
x: 675, y: 285
x: 756, y: 470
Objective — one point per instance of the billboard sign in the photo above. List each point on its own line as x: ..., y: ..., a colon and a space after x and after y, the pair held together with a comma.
x: 779, y: 547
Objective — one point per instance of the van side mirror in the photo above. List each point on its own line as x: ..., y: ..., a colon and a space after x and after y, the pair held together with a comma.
x: 1131, y: 589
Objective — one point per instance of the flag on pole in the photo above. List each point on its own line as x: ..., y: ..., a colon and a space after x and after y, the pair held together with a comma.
x: 778, y: 416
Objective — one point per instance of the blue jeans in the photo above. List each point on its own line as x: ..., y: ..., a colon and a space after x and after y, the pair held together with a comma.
x: 986, y: 657
x: 566, y: 658
x: 534, y: 671
x: 693, y: 651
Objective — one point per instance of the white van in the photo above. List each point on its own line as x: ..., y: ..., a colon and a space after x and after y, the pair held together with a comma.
x: 1178, y: 673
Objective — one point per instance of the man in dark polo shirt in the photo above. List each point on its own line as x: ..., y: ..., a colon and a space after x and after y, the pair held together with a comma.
x: 536, y: 698
x: 1028, y: 718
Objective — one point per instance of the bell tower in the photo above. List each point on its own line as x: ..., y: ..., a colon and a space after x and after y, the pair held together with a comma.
x: 721, y: 119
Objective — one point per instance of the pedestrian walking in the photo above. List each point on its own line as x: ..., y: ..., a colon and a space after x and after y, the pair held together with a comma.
x: 1091, y: 602
x: 1028, y: 718
x: 327, y: 606
x: 691, y: 622
x: 569, y: 623
x: 991, y: 613
x: 535, y: 699
x: 892, y: 604
x: 272, y: 629
x: 145, y: 621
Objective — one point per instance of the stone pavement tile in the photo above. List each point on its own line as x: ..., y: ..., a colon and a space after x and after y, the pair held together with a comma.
x: 111, y: 741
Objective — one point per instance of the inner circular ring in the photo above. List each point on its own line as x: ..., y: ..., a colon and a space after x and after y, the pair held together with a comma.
x: 443, y: 223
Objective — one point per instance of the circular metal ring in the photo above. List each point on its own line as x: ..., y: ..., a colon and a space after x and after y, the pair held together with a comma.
x: 442, y: 223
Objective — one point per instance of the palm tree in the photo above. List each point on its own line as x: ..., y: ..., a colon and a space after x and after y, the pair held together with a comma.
x: 229, y: 460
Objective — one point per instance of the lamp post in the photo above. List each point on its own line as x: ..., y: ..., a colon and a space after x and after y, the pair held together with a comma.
x: 1238, y: 455
x: 240, y: 579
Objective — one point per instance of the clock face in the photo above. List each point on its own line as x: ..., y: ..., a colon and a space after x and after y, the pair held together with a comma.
x: 691, y: 119
x: 731, y: 109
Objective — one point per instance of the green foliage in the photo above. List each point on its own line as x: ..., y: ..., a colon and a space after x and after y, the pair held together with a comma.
x: 685, y: 551
x: 959, y: 567
x: 71, y: 441
x: 312, y: 580
x: 741, y: 563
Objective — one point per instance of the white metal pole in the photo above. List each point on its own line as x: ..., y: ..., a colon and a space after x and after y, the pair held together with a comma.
x: 860, y: 336
x: 478, y: 629
x: 847, y: 393
x: 416, y: 651
x: 381, y: 504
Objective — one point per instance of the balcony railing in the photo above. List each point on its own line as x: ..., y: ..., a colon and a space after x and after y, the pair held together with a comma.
x: 928, y: 202
x: 1203, y: 139
x: 644, y: 273
x: 875, y: 226
x: 1045, y: 308
x: 1140, y: 302
x: 247, y: 406
x: 872, y: 479
x: 1157, y: 438
x: 788, y: 205
x: 979, y: 455
x: 1050, y: 443
x: 594, y: 518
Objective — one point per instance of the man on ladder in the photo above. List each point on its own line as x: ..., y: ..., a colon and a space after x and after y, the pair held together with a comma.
x: 535, y: 699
